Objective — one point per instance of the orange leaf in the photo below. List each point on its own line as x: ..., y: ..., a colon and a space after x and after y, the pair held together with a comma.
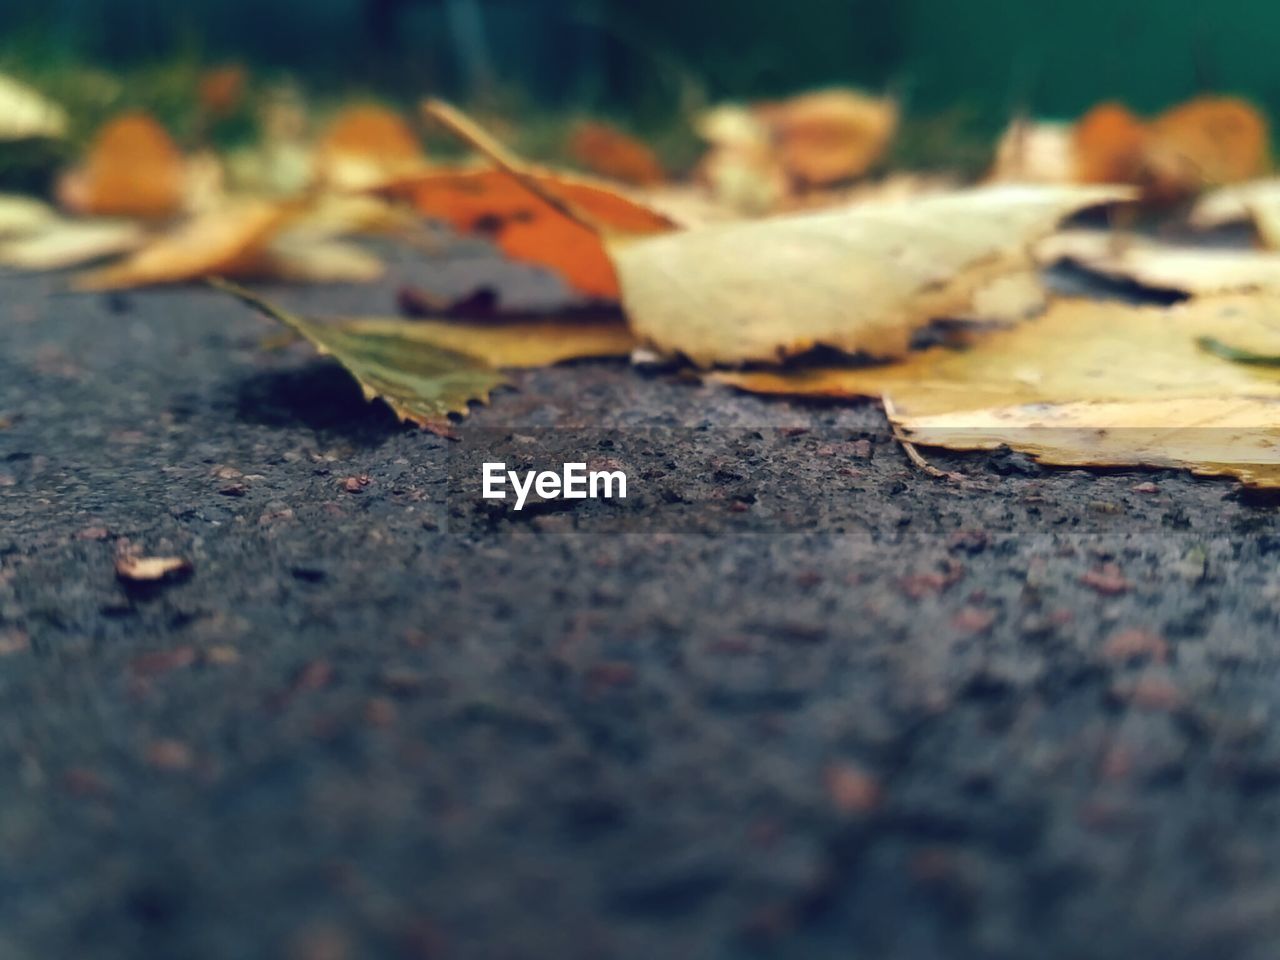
x: 527, y: 228
x: 133, y: 169
x: 1204, y: 142
x: 1109, y: 142
x: 366, y: 145
x: 609, y: 152
x: 830, y: 135
x: 231, y: 241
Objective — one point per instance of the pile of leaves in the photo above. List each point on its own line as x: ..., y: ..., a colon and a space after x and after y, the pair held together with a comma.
x: 788, y: 262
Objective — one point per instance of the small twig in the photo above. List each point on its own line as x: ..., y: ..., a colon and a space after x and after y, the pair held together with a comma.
x: 908, y: 447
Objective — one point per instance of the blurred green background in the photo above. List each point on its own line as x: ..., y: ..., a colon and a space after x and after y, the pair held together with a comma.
x: 642, y: 58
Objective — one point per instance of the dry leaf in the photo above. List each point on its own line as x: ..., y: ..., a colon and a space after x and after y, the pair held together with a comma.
x: 527, y: 228
x: 525, y: 210
x: 749, y: 180
x: 1108, y: 145
x: 1087, y: 384
x: 302, y: 258
x: 1234, y: 204
x: 1035, y: 152
x: 830, y: 135
x: 856, y: 280
x: 419, y: 380
x: 151, y: 569
x: 23, y: 215
x: 1205, y: 142
x: 1258, y: 201
x: 608, y: 152
x: 133, y: 169
x: 26, y: 114
x: 367, y: 146
x: 230, y: 242
x: 1195, y: 271
x: 528, y: 342
x: 71, y: 243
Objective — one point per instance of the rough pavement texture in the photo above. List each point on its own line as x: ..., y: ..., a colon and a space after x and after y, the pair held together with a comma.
x: 1027, y: 713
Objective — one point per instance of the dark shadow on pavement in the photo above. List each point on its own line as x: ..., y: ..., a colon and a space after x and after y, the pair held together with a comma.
x: 320, y: 395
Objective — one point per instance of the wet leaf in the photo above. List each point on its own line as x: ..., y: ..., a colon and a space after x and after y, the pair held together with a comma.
x: 421, y: 381
x: 860, y: 280
x: 1086, y: 384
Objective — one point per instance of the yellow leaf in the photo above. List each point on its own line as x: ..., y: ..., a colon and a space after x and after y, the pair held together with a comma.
x: 1196, y: 271
x: 1035, y: 152
x: 227, y: 242
x: 421, y: 381
x: 27, y: 114
x: 860, y: 280
x: 70, y: 243
x: 531, y: 342
x: 1088, y: 383
x: 23, y: 215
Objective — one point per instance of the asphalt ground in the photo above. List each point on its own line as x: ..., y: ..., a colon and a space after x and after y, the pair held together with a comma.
x: 792, y: 698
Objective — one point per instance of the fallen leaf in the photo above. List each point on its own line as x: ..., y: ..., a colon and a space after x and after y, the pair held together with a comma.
x: 133, y: 169
x: 531, y: 225
x: 70, y: 243
x: 1031, y: 151
x: 828, y: 136
x: 532, y: 342
x: 420, y: 381
x: 1191, y: 270
x: 300, y: 258
x: 608, y: 152
x: 232, y: 241
x: 367, y: 146
x: 860, y: 280
x: 26, y: 114
x: 23, y: 215
x: 1236, y: 203
x: 1108, y: 145
x: 1205, y: 142
x: 1086, y: 384
x: 151, y: 569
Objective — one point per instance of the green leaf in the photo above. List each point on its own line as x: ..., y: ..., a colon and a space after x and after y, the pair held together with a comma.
x: 420, y: 381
